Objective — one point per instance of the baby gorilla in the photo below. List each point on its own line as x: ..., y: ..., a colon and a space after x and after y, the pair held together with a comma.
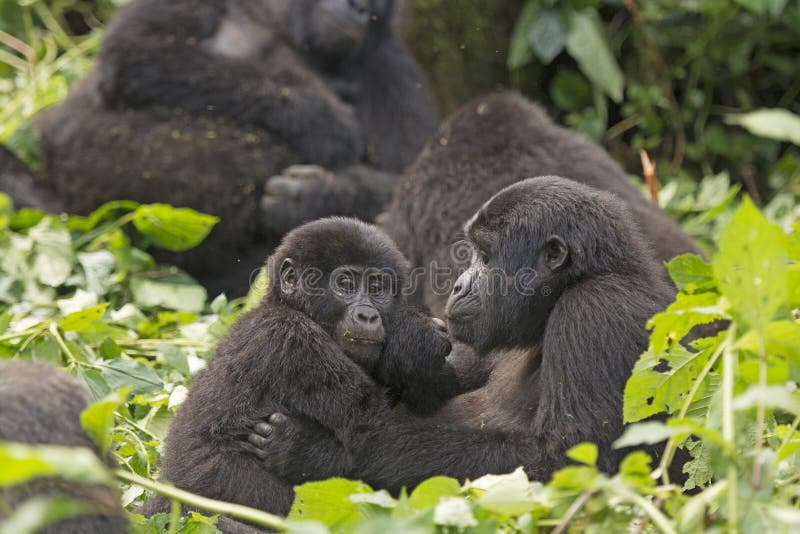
x: 332, y: 320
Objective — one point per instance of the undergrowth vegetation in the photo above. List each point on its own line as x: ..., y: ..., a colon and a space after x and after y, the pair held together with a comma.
x: 85, y: 294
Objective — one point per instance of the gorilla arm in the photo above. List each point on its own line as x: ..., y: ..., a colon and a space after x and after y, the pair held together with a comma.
x: 163, y: 53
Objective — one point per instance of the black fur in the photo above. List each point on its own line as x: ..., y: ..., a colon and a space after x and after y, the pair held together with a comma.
x: 488, y: 144
x: 22, y: 184
x: 557, y: 295
x: 284, y: 356
x: 200, y: 102
x: 40, y: 404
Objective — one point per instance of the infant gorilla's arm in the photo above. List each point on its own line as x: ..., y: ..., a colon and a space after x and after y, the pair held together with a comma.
x: 162, y: 53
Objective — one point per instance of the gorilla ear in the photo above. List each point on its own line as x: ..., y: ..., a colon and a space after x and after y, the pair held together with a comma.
x: 556, y: 252
x: 289, y: 277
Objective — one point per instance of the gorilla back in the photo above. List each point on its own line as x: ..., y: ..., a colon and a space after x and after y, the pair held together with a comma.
x: 488, y: 144
x: 40, y: 404
x: 199, y: 102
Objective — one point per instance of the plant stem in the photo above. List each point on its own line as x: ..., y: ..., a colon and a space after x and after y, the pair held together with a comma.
x: 238, y: 511
x: 728, y: 429
x: 760, y: 416
x: 658, y: 519
x: 175, y: 516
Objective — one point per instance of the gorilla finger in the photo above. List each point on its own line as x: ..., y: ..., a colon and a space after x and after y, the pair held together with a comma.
x: 278, y: 419
x: 258, y: 452
x: 258, y: 441
x: 283, y: 186
x: 263, y: 429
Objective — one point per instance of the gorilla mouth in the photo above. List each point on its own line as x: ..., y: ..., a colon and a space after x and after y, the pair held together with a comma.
x: 363, y: 340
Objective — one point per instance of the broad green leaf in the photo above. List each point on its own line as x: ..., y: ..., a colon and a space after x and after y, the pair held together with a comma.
x: 671, y: 326
x: 546, y: 35
x: 98, y: 418
x: 585, y: 453
x: 170, y: 228
x: 519, y: 50
x: 109, y: 210
x: 81, y: 320
x: 170, y: 289
x: 587, y: 44
x: 506, y: 495
x: 659, y: 384
x: 577, y: 477
x: 780, y: 124
x: 54, y: 256
x: 771, y: 396
x: 120, y: 373
x: 328, y: 502
x: 750, y: 266
x: 428, y: 493
x: 691, y: 274
x: 635, y: 470
x: 648, y: 433
x: 570, y: 91
x: 23, y: 462
x: 379, y: 498
x: 454, y: 512
x: 781, y: 338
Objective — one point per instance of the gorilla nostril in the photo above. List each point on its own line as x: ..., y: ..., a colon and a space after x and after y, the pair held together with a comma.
x: 457, y: 288
x: 367, y: 315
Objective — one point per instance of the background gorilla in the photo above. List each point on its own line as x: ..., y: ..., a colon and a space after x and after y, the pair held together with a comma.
x: 330, y: 320
x: 488, y: 144
x: 40, y: 404
x: 562, y: 285
x: 20, y: 183
x: 199, y: 102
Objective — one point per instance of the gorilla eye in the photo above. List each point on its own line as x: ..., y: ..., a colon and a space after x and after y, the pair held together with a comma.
x: 346, y: 283
x: 376, y: 286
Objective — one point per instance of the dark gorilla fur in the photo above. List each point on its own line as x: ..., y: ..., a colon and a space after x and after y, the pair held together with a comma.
x: 199, y: 102
x: 284, y: 356
x: 42, y: 405
x: 19, y: 182
x: 488, y: 144
x: 564, y: 343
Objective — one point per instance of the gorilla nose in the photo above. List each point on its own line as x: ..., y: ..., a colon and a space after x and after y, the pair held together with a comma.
x: 367, y: 315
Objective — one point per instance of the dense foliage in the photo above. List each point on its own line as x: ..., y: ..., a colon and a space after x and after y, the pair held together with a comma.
x: 683, y: 81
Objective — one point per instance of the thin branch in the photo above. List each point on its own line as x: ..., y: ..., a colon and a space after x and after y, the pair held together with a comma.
x: 650, y: 176
x: 574, y: 508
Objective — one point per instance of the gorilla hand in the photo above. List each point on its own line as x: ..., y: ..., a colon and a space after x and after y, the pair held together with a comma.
x: 302, y: 193
x: 278, y: 441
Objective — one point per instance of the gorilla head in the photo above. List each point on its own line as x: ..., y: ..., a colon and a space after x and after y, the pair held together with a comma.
x: 345, y: 275
x: 334, y: 29
x: 530, y: 241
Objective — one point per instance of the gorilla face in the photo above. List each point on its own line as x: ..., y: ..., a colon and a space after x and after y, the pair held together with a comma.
x: 516, y: 274
x: 334, y: 29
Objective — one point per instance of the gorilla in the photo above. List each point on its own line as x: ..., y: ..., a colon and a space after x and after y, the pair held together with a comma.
x: 21, y: 183
x: 488, y: 144
x: 331, y: 341
x: 203, y: 103
x: 40, y: 404
x: 559, y: 289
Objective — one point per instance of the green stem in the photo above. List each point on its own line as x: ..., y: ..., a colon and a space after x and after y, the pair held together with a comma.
x: 728, y: 428
x: 660, y: 520
x: 669, y: 451
x: 62, y: 344
x: 760, y: 416
x: 175, y: 516
x: 238, y: 511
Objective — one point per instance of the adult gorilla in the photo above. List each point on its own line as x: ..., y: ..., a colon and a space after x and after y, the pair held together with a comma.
x: 200, y: 102
x: 489, y: 144
x: 559, y: 290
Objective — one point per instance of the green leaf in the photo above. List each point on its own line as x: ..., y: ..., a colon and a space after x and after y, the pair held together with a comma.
x: 169, y: 289
x: 546, y: 35
x: 328, y: 502
x: 585, y: 453
x: 771, y: 396
x: 175, y: 229
x: 671, y: 326
x: 588, y: 46
x: 648, y: 433
x: 380, y: 498
x: 750, y: 266
x: 570, y: 91
x: 693, y: 514
x: 635, y: 470
x: 98, y: 418
x: 109, y: 210
x: 779, y: 124
x: 691, y: 274
x: 506, y: 495
x: 54, y: 256
x: 120, y: 373
x: 81, y: 320
x: 23, y: 462
x: 429, y: 492
x: 660, y: 384
x: 36, y: 513
x: 519, y: 50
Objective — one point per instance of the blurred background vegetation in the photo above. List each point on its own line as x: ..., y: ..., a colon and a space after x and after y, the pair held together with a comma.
x: 680, y: 79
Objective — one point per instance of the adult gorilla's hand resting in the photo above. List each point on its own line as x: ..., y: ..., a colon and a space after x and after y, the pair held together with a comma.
x: 559, y: 290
